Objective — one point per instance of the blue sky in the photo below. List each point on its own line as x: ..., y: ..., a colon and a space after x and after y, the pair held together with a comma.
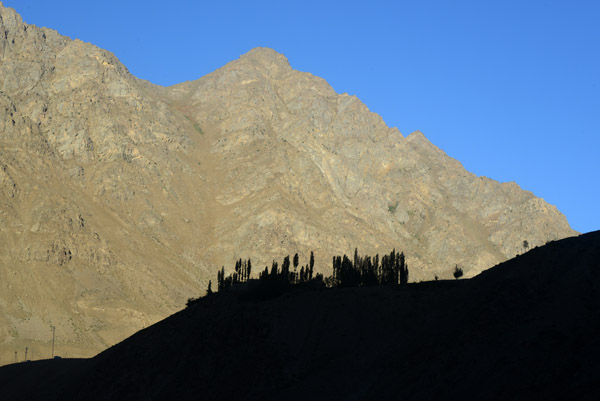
x: 509, y: 88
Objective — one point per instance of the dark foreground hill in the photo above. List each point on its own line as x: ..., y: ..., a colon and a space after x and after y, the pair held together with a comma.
x: 526, y: 329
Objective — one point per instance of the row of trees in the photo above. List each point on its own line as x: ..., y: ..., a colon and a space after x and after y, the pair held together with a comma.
x: 284, y: 273
x: 391, y: 269
x: 243, y: 272
x: 360, y: 271
x: 368, y: 271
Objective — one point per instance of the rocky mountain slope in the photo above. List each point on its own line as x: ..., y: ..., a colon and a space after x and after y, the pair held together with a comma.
x: 119, y: 199
x: 525, y: 329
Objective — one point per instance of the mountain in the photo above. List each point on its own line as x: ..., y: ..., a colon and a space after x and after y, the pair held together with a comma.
x: 120, y: 199
x: 525, y: 329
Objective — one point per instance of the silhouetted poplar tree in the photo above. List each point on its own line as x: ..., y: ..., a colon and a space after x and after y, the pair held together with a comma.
x: 285, y: 268
x: 458, y: 272
x: 403, y: 269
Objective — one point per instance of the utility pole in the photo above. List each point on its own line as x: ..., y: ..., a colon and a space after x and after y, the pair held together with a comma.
x: 53, y: 333
x: 25, y: 354
x: 16, y: 360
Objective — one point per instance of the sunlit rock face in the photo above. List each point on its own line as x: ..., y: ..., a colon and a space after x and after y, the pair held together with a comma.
x: 120, y: 199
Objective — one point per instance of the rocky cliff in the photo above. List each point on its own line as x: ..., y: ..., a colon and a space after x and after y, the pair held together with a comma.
x: 119, y: 199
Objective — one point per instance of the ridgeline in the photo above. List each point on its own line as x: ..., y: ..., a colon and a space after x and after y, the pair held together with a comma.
x: 525, y: 329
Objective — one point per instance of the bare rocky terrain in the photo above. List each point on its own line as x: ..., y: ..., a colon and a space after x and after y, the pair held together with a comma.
x: 120, y: 199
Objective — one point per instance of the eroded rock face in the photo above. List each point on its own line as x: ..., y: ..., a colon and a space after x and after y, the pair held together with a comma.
x: 120, y: 199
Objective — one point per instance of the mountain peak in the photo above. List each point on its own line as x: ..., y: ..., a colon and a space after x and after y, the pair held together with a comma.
x: 265, y: 58
x: 266, y: 54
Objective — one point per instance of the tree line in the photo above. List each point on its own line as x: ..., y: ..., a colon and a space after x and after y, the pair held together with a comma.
x: 367, y: 271
x: 362, y: 271
x: 288, y: 272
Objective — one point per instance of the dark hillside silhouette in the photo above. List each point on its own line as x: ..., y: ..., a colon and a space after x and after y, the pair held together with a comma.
x: 527, y: 329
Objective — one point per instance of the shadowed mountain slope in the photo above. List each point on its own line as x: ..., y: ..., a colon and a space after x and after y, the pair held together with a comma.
x: 526, y: 329
x: 120, y: 199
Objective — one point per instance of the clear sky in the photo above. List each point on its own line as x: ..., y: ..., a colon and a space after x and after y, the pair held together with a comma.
x: 509, y: 88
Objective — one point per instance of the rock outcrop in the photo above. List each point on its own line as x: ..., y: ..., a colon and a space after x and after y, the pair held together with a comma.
x: 119, y: 199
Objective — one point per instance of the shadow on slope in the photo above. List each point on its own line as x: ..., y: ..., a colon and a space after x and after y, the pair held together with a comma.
x: 525, y: 329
